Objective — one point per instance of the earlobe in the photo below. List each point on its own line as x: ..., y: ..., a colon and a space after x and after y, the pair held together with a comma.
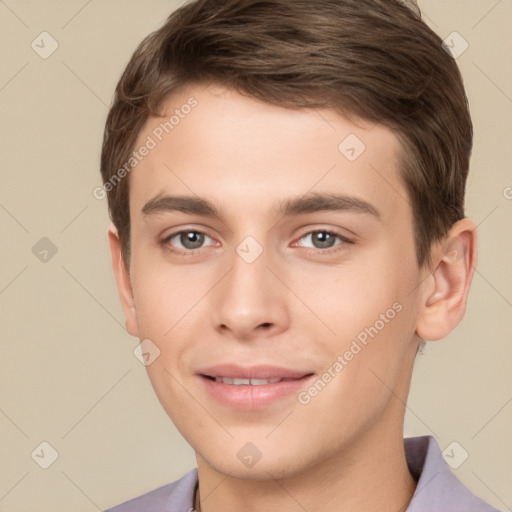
x: 447, y: 287
x: 124, y: 286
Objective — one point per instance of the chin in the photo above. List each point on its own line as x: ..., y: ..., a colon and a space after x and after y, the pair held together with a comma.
x: 277, y: 468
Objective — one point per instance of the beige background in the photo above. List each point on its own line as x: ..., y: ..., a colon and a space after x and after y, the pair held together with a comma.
x: 68, y: 373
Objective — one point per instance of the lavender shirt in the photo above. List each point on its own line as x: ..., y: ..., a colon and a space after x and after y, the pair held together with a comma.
x: 438, y: 489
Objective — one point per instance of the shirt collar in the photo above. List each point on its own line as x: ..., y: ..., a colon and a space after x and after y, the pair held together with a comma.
x: 437, y: 488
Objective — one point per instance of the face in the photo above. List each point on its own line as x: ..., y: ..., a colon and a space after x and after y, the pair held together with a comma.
x: 273, y: 267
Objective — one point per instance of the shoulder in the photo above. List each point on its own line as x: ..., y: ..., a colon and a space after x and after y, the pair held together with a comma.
x: 438, y: 488
x: 172, y: 497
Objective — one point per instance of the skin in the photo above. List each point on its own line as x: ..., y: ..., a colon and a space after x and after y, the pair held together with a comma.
x: 298, y: 305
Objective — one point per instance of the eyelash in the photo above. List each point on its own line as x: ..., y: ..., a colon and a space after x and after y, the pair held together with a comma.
x: 192, y: 252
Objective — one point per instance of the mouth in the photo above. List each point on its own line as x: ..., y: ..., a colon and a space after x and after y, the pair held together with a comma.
x: 252, y: 388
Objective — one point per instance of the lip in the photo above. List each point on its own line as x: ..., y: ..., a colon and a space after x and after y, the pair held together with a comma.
x: 249, y: 397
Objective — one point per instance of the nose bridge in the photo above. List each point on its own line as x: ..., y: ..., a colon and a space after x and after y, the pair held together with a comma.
x: 249, y: 295
x: 248, y: 279
x: 249, y: 267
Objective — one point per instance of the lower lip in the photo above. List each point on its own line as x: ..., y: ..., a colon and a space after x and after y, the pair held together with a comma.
x: 247, y: 397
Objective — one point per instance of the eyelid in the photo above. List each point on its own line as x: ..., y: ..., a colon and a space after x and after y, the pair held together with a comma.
x: 326, y: 229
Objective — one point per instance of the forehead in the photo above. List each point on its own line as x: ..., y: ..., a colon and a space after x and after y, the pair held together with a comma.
x: 238, y: 151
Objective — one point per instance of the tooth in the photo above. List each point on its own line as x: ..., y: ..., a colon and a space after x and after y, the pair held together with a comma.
x: 238, y: 382
x: 258, y: 382
x: 246, y: 382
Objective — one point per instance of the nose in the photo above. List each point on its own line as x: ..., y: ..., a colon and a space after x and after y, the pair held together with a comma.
x: 250, y: 301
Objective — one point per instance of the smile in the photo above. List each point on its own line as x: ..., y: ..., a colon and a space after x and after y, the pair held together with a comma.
x: 252, y: 388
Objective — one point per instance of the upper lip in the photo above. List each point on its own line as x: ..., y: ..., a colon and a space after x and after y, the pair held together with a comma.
x: 252, y: 372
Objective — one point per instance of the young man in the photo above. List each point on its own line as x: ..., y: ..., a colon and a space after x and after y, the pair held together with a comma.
x: 286, y: 182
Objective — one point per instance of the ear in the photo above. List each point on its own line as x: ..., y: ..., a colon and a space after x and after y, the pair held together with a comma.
x: 124, y: 286
x: 446, y: 289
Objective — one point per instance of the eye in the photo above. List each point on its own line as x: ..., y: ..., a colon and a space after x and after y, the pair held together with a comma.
x: 324, y: 239
x: 189, y: 240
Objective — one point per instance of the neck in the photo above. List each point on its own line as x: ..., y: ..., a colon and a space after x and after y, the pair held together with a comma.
x: 370, y: 475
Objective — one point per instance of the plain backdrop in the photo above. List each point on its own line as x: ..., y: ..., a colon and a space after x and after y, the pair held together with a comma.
x: 68, y: 374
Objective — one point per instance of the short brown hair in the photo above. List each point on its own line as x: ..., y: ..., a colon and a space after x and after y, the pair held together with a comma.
x: 373, y: 59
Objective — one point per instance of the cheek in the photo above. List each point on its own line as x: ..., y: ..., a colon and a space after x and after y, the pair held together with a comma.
x: 165, y: 295
x: 171, y: 311
x: 363, y: 313
x: 343, y: 300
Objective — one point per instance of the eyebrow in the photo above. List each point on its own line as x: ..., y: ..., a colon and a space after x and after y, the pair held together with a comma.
x: 309, y: 203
